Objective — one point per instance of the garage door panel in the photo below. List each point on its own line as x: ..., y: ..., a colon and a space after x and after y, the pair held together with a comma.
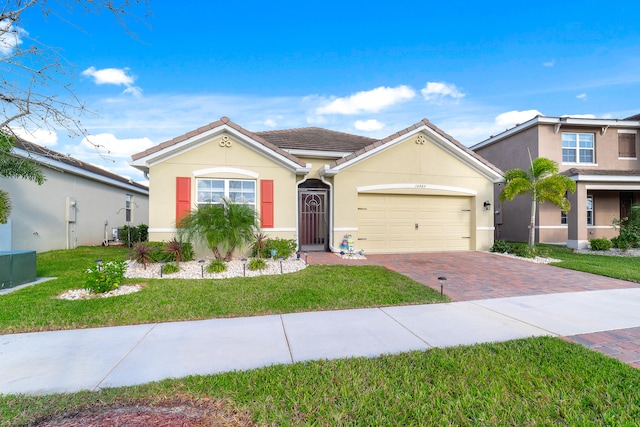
x: 387, y: 223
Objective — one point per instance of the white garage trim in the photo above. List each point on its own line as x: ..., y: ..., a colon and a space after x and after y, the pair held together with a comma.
x: 416, y: 186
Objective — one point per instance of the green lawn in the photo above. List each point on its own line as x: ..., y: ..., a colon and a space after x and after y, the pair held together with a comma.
x: 537, y: 381
x: 625, y: 268
x: 36, y: 308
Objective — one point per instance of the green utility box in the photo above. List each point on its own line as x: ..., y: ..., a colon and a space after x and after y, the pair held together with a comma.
x: 17, y: 268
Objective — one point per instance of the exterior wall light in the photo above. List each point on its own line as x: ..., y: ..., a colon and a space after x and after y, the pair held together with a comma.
x: 487, y: 205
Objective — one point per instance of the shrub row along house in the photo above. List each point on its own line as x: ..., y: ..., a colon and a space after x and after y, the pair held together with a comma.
x: 600, y: 155
x: 78, y: 204
x: 414, y: 191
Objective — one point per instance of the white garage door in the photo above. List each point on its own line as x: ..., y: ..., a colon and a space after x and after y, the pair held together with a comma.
x: 402, y: 223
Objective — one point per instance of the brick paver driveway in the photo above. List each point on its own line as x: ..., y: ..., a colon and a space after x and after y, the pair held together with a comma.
x: 482, y: 275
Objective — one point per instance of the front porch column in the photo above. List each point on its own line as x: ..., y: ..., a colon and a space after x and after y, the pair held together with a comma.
x: 577, y: 218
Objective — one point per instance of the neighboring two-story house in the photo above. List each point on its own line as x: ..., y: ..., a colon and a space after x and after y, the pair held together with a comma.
x: 600, y: 155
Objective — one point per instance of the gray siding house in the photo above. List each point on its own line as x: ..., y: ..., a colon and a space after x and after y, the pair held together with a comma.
x: 79, y: 204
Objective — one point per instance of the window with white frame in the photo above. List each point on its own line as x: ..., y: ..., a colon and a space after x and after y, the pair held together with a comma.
x: 563, y: 218
x: 590, y: 220
x: 578, y: 147
x: 627, y: 144
x: 211, y: 191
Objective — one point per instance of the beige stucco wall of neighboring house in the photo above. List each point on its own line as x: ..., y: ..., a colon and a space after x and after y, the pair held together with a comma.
x: 606, y: 208
x: 211, y: 160
x: 549, y: 226
x: 606, y: 147
x: 424, y: 166
x: 68, y: 210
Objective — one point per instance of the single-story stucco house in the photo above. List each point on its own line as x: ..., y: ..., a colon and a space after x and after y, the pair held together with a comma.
x: 78, y: 204
x: 414, y: 191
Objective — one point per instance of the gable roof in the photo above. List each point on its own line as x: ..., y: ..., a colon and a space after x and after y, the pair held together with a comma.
x: 438, y: 136
x: 634, y: 117
x: 67, y: 164
x: 143, y: 159
x: 284, y: 143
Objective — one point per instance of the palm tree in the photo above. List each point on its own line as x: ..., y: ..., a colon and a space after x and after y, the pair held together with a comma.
x: 12, y: 166
x: 221, y: 227
x: 543, y: 183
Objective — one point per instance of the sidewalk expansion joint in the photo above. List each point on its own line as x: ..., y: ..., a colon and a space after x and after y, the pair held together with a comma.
x: 555, y: 334
x: 286, y: 338
x: 404, y: 327
x: 137, y: 343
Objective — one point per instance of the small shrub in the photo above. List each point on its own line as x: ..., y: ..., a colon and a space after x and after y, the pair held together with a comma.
x: 619, y: 243
x: 523, y: 250
x: 131, y: 235
x: 283, y: 247
x: 600, y: 244
x: 105, y: 277
x: 142, y: 254
x: 217, y: 266
x: 259, y: 245
x: 170, y: 268
x: 501, y: 246
x: 175, y: 250
x: 256, y: 264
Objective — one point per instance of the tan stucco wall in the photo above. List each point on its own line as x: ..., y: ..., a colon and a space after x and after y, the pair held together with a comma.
x: 606, y: 147
x: 411, y: 163
x: 162, y: 182
x: 39, y: 215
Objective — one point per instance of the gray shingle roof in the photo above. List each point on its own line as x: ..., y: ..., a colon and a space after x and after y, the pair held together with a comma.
x: 37, y: 151
x: 314, y: 138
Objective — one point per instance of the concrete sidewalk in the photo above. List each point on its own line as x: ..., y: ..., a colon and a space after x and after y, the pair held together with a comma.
x: 90, y: 359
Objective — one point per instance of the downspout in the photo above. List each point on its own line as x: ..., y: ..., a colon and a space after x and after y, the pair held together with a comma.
x: 331, y: 247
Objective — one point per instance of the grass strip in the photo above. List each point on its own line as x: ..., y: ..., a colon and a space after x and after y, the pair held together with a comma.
x: 536, y: 381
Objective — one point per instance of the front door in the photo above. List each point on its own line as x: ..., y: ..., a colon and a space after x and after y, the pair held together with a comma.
x: 314, y: 227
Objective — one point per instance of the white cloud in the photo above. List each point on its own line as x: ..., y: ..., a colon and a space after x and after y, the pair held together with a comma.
x: 109, y: 145
x: 42, y: 137
x: 371, y: 101
x: 438, y: 92
x: 134, y: 90
x: 114, y: 76
x: 270, y: 123
x: 111, y: 76
x: 368, y: 125
x: 549, y: 63
x: 582, y: 96
x: 10, y: 37
x: 512, y: 118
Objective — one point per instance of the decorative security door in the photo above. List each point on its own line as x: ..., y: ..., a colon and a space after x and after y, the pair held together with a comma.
x: 314, y: 228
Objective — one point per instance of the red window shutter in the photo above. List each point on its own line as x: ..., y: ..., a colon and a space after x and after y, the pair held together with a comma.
x: 266, y: 203
x: 183, y: 197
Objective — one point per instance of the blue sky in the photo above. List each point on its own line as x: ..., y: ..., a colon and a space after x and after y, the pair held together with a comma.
x: 372, y: 68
